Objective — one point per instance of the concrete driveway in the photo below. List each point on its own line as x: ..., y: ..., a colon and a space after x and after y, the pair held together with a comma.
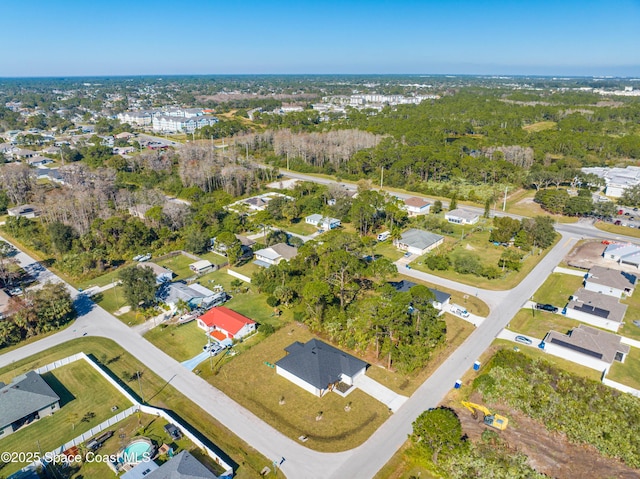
x: 382, y: 393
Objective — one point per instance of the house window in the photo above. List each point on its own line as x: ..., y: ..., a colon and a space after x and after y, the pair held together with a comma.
x: 619, y: 357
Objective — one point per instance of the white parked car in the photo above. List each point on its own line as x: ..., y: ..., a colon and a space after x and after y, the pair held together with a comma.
x: 146, y: 257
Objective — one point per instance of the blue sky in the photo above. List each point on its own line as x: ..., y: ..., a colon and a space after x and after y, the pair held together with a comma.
x: 138, y: 37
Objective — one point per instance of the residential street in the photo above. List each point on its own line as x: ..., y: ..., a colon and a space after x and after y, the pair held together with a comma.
x: 363, y: 461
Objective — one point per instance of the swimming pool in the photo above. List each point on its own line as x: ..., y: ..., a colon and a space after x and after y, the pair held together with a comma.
x: 138, y: 450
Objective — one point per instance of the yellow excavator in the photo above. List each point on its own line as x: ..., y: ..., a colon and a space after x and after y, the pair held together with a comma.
x: 493, y: 420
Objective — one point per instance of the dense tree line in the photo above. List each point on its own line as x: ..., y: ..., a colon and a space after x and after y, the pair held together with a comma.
x: 37, y: 312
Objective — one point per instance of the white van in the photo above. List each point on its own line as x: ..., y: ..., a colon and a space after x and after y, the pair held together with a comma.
x: 384, y: 236
x: 460, y: 311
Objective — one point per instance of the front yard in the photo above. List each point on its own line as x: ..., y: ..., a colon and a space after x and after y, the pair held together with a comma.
x: 113, y: 300
x: 557, y: 289
x: 181, y: 342
x: 248, y: 380
x: 538, y: 323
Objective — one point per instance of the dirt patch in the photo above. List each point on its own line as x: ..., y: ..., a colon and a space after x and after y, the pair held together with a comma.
x: 549, y: 453
x: 469, y: 247
x: 587, y: 254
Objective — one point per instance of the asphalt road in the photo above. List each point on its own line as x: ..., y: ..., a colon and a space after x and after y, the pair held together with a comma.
x: 300, y: 462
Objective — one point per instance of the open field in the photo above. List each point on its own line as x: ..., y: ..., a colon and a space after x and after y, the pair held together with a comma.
x: 156, y: 392
x: 181, y: 342
x: 521, y: 203
x: 540, y: 126
x: 261, y: 390
x: 557, y: 289
x: 627, y: 373
x: 85, y: 401
x: 478, y: 244
x: 538, y: 323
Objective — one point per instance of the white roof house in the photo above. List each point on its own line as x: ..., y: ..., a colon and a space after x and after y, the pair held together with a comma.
x: 267, y: 257
x: 417, y: 241
x: 623, y: 253
x: 462, y: 217
x: 323, y: 222
x: 616, y: 180
x: 201, y: 266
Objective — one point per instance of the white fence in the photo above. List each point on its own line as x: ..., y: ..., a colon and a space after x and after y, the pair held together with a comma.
x: 124, y: 414
x: 235, y: 274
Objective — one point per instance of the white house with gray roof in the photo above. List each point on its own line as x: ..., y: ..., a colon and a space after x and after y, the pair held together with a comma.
x: 590, y: 347
x: 596, y: 309
x: 181, y: 466
x: 318, y: 367
x: 609, y: 281
x: 418, y: 242
x: 26, y: 399
x: 267, y: 257
x: 323, y: 222
x: 462, y: 217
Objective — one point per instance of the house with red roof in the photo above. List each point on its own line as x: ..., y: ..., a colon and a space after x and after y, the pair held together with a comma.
x: 224, y: 323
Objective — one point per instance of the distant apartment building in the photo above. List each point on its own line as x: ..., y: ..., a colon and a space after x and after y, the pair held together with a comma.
x: 138, y: 118
x: 180, y: 124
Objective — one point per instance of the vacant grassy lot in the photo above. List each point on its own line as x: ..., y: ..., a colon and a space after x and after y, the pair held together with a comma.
x: 103, y: 280
x: 260, y: 390
x: 557, y: 289
x: 627, y: 373
x: 248, y: 268
x: 156, y: 392
x: 539, y: 323
x: 179, y: 265
x: 618, y: 229
x: 181, y: 342
x: 299, y: 228
x: 214, y: 258
x: 477, y: 243
x: 112, y: 300
x: 85, y: 399
x: 386, y: 249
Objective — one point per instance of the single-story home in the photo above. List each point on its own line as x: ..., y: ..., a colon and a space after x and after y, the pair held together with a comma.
x: 596, y: 309
x: 609, y: 281
x: 27, y: 211
x: 38, y: 160
x: 318, y: 367
x: 267, y: 257
x: 181, y: 466
x: 26, y: 399
x: 323, y: 222
x: 201, y: 267
x: 623, y: 253
x: 418, y: 242
x: 590, y: 347
x: 224, y: 323
x: 417, y: 206
x: 440, y: 302
x: 194, y: 295
x: 462, y: 217
x: 163, y: 275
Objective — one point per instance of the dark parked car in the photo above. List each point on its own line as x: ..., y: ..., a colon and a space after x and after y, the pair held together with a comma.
x: 547, y: 307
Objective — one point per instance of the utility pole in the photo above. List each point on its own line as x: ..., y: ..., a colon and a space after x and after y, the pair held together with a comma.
x: 504, y: 204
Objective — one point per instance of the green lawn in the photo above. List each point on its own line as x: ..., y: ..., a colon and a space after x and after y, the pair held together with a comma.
x: 627, y: 373
x: 112, y: 300
x: 557, y: 289
x: 617, y: 229
x: 214, y: 258
x: 260, y: 391
x: 477, y: 242
x: 179, y: 265
x: 82, y: 391
x: 538, y: 323
x: 103, y: 280
x: 633, y: 314
x: 386, y: 249
x: 181, y: 342
x: 300, y: 228
x: 521, y: 203
x: 248, y: 268
x: 157, y: 393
